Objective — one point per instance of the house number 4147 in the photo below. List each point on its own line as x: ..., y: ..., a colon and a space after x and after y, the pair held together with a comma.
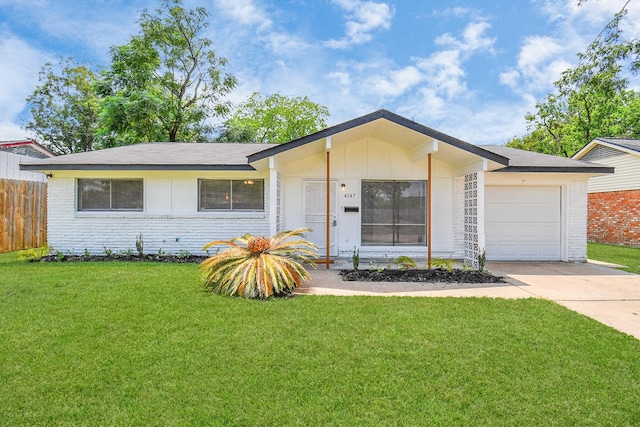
x: 350, y: 195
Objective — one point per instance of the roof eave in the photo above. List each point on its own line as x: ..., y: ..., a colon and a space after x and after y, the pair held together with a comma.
x: 110, y: 167
x: 558, y: 169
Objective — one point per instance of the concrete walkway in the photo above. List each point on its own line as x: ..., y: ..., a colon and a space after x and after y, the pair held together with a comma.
x: 607, y: 295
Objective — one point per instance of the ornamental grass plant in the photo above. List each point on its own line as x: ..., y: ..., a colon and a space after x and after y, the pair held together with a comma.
x: 259, y: 267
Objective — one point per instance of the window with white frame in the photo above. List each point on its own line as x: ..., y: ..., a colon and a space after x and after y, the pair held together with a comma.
x: 226, y: 194
x: 394, y: 213
x: 110, y: 195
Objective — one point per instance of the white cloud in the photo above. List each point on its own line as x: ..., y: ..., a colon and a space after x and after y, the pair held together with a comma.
x: 19, y: 75
x: 473, y: 38
x: 245, y: 12
x: 286, y: 44
x: 10, y: 131
x: 444, y: 72
x: 540, y: 63
x: 428, y: 84
x: 395, y: 82
x: 363, y: 18
x: 543, y: 58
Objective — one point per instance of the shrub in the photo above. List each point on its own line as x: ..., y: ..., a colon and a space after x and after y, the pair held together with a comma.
x: 140, y: 244
x: 34, y: 254
x: 355, y: 258
x: 259, y: 267
x: 404, y: 262
x: 444, y: 264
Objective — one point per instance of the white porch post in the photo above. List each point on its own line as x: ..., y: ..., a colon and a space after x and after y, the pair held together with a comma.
x: 273, y: 197
x: 481, y: 219
x: 328, y: 214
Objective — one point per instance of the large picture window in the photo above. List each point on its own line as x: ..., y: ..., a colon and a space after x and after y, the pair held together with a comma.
x: 241, y: 195
x: 394, y: 213
x: 110, y: 195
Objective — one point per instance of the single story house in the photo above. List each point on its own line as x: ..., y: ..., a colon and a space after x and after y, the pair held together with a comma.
x: 380, y: 183
x: 614, y: 200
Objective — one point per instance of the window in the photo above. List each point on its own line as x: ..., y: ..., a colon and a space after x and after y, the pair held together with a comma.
x: 394, y: 213
x: 110, y: 195
x: 240, y: 195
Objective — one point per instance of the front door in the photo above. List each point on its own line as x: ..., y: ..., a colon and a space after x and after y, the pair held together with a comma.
x: 315, y: 217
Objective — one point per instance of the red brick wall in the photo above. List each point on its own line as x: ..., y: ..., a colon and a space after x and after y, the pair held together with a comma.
x: 614, y: 217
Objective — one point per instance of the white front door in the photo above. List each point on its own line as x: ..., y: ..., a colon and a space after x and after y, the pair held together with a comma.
x: 315, y: 217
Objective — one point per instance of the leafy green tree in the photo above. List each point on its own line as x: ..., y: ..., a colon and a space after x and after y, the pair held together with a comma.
x: 275, y: 119
x: 590, y: 101
x: 166, y: 83
x: 64, y: 107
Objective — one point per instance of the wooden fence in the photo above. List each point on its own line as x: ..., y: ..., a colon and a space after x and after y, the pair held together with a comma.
x: 23, y: 214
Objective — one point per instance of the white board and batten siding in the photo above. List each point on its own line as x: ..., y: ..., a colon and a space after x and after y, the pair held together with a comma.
x: 170, y: 221
x: 10, y: 168
x: 523, y: 223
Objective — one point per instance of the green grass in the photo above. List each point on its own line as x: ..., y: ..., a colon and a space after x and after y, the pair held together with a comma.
x: 10, y: 257
x: 142, y: 344
x: 622, y: 255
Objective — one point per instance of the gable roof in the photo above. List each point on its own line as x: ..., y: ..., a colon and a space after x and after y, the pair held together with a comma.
x: 155, y: 156
x: 377, y: 115
x: 240, y: 156
x: 27, y: 148
x: 626, y: 145
x: 530, y: 161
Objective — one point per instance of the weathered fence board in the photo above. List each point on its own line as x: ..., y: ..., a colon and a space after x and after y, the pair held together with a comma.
x: 23, y: 214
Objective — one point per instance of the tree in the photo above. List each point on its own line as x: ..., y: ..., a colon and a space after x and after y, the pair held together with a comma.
x: 591, y: 100
x: 166, y: 82
x: 275, y: 119
x: 64, y: 107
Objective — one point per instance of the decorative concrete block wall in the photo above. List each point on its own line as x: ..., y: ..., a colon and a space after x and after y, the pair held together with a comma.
x: 474, y: 239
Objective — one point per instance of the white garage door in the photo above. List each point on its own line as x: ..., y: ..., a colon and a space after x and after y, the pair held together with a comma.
x: 523, y: 223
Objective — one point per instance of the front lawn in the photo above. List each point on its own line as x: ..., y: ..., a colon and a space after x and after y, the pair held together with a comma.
x: 622, y: 255
x: 142, y: 344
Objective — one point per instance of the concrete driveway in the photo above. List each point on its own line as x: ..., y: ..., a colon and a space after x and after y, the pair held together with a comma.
x: 607, y: 295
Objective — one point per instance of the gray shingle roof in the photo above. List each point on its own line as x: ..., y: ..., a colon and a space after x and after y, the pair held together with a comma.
x: 631, y: 144
x: 156, y: 156
x: 529, y: 161
x: 235, y: 156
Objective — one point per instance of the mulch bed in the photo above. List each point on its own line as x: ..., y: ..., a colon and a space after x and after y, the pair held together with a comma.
x: 435, y: 275
x: 176, y: 259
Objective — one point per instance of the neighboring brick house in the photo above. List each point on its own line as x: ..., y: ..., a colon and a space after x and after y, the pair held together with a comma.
x: 614, y: 200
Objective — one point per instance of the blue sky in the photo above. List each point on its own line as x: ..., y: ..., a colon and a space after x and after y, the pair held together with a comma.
x: 469, y: 68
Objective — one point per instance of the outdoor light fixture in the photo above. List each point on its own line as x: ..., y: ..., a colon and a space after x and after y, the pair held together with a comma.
x: 49, y: 175
x: 343, y: 187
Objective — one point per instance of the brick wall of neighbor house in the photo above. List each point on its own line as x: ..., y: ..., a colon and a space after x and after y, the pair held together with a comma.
x: 614, y: 217
x: 73, y: 232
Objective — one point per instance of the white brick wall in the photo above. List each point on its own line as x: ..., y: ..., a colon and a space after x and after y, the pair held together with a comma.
x: 577, y: 221
x: 170, y: 230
